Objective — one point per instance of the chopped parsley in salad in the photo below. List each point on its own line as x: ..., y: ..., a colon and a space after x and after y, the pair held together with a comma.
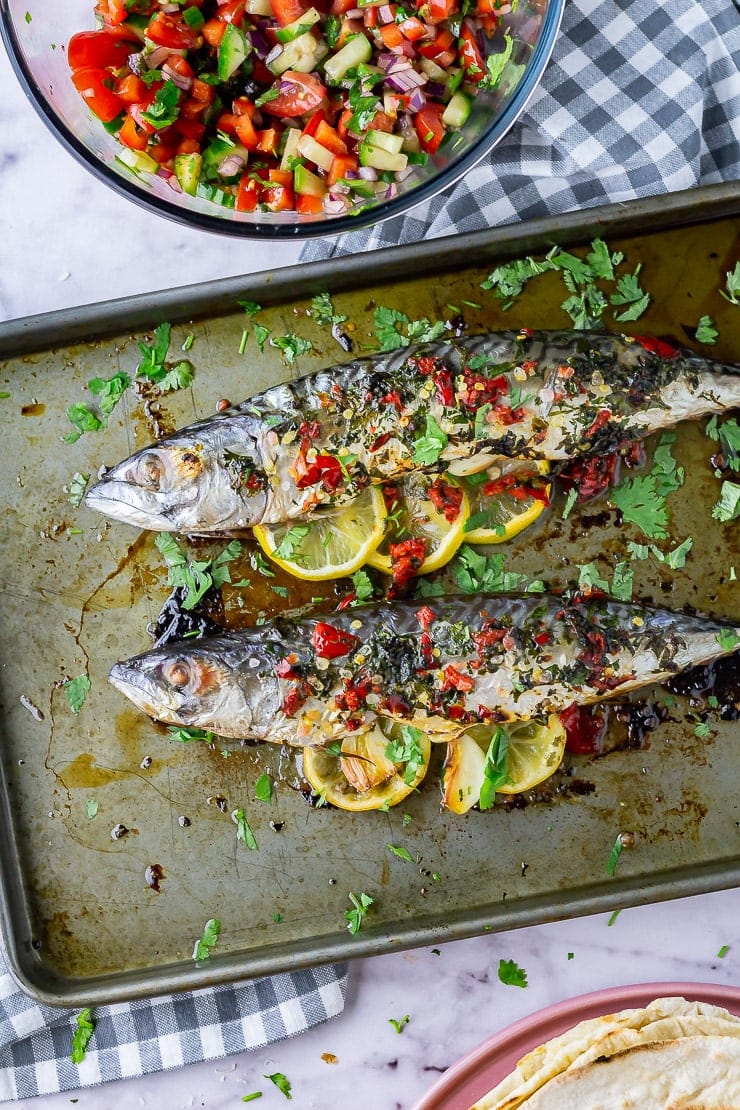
x: 279, y: 105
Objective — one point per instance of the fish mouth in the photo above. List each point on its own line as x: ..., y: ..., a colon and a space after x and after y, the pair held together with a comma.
x: 120, y: 501
x: 145, y: 694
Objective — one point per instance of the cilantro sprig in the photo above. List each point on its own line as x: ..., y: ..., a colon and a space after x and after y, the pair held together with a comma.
x: 495, y: 770
x: 84, y: 1029
x: 355, y: 916
x: 407, y: 750
x: 511, y: 974
x: 394, y: 329
x: 195, y: 576
x: 209, y: 940
x: 642, y: 499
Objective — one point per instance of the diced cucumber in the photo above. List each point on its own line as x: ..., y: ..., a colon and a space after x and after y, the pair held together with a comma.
x: 359, y: 186
x: 457, y: 111
x: 215, y: 194
x: 355, y: 51
x: 308, y: 62
x: 315, y: 152
x: 384, y: 140
x: 233, y: 50
x: 300, y: 54
x: 308, y: 183
x: 299, y: 26
x: 259, y: 7
x: 187, y: 171
x: 381, y: 159
x: 214, y: 155
x: 290, y: 150
x: 137, y: 160
x: 432, y: 70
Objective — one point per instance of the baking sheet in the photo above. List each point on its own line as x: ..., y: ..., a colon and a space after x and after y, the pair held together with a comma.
x: 81, y: 923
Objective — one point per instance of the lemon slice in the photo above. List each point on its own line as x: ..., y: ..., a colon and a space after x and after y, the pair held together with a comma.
x: 424, y: 507
x: 328, y: 545
x: 535, y: 752
x: 364, y: 777
x: 513, y: 496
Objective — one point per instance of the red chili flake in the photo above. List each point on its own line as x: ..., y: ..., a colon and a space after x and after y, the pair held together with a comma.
x: 657, y: 346
x: 346, y: 601
x: 529, y: 366
x: 324, y: 469
x: 477, y: 390
x: 456, y: 680
x: 406, y: 558
x: 542, y: 638
x: 585, y: 727
x: 457, y: 712
x: 330, y: 642
x: 446, y: 498
x: 354, y: 695
x: 603, y: 417
x: 507, y: 416
x: 590, y: 477
x: 426, y: 647
x: 603, y: 683
x: 487, y: 637
x: 485, y: 712
x: 526, y: 332
x: 309, y: 431
x: 426, y: 617
x: 396, y: 705
x: 295, y: 698
x: 380, y: 442
x: 444, y: 387
x: 393, y: 397
x: 425, y: 365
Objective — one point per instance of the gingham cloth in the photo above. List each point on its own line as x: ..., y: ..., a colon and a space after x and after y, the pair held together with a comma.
x: 640, y: 97
x: 153, y: 1035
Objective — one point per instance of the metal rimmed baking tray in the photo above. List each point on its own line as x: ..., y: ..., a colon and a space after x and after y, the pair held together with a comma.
x: 81, y: 924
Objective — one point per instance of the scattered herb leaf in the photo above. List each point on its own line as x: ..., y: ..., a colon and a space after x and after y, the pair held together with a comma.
x: 263, y: 788
x: 401, y: 853
x: 84, y: 1029
x: 706, y: 331
x: 360, y: 905
x: 399, y: 1024
x: 91, y: 808
x: 511, y: 974
x: 243, y: 830
x: 76, y: 690
x: 203, y: 946
x: 281, y: 1082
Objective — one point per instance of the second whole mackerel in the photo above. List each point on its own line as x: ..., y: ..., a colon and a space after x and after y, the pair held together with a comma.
x: 455, y: 405
x: 440, y: 667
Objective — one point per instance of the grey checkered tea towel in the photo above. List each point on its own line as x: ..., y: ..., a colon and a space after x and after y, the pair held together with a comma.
x: 640, y: 97
x: 135, y: 1038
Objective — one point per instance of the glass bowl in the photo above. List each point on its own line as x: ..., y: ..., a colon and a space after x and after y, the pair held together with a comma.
x: 36, y: 32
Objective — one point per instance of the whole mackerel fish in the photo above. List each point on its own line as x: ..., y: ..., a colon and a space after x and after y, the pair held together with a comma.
x: 452, y: 405
x: 440, y: 667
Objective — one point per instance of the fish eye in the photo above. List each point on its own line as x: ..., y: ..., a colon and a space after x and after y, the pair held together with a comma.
x: 178, y: 674
x: 149, y: 471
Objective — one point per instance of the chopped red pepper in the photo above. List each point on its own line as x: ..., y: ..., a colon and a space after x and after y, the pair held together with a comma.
x: 446, y: 498
x: 330, y: 642
x: 657, y: 346
x: 603, y: 418
x: 590, y: 477
x: 456, y: 680
x: 425, y: 617
x: 324, y: 469
x: 406, y: 559
x: 478, y: 390
x: 584, y: 726
x: 444, y: 387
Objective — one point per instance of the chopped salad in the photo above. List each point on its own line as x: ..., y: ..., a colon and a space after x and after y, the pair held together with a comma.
x: 283, y: 105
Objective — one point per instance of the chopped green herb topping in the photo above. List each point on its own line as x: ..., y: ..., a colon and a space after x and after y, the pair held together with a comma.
x: 728, y: 506
x: 187, y: 735
x: 76, y: 690
x: 611, y: 863
x: 263, y: 788
x: 495, y: 771
x: 281, y: 1082
x: 84, y: 1029
x: 203, y: 946
x: 360, y: 905
x: 732, y: 285
x: 725, y: 947
x: 400, y: 853
x: 428, y: 447
x: 511, y: 974
x: 76, y: 489
x: 243, y: 830
x: 292, y: 346
x: 706, y: 331
x: 394, y: 329
x: 399, y: 1024
x: 407, y: 750
x: 91, y: 808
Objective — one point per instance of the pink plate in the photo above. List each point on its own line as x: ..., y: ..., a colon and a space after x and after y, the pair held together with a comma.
x: 478, y: 1072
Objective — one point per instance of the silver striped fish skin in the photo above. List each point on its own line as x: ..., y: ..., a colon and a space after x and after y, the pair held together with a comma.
x: 456, y: 404
x: 441, y: 667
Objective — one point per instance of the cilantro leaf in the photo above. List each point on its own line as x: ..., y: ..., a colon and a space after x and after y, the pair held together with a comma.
x: 203, y: 946
x: 732, y: 285
x: 84, y: 1029
x: 322, y: 311
x: 91, y: 808
x: 243, y: 830
x: 360, y: 905
x: 76, y: 489
x: 165, y: 108
x: 677, y: 558
x: 154, y: 354
x: 400, y: 853
x: 511, y: 974
x: 590, y: 579
x: 630, y: 293
x: 363, y: 586
x: 188, y: 735
x: 292, y: 541
x: 399, y: 1024
x: 728, y: 506
x: 623, y: 582
x: 263, y: 788
x: 508, y: 280
x: 76, y: 690
x: 495, y: 771
x: 728, y: 434
x: 728, y: 639
x: 281, y: 1082
x: 179, y: 377
x: 602, y: 261
x: 292, y: 346
x: 407, y: 750
x: 570, y: 502
x: 83, y: 420
x: 250, y: 307
x: 429, y: 447
x: 639, y: 503
x: 580, y: 271
x: 496, y: 64
x: 386, y: 330
x: 706, y: 331
x: 476, y: 573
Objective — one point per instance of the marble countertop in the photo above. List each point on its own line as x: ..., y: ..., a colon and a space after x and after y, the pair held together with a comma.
x: 58, y: 250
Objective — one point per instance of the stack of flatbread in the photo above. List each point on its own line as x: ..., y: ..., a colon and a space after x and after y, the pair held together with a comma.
x: 671, y: 1055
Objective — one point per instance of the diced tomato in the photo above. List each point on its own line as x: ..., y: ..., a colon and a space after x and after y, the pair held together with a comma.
x: 162, y: 152
x: 342, y: 164
x: 99, y: 48
x: 429, y: 126
x: 308, y: 206
x: 232, y: 12
x: 381, y: 121
x: 172, y: 31
x: 412, y: 28
x: 439, y: 10
x: 247, y: 196
x: 243, y: 106
x: 329, y: 138
x: 202, y: 92
x: 268, y: 141
x: 131, y: 89
x: 226, y: 122
x: 471, y: 55
x: 190, y: 128
x: 343, y: 123
x: 188, y: 146
x: 112, y: 12
x: 287, y: 11
x: 246, y: 132
x: 299, y: 93
x: 391, y: 36
x: 406, y: 559
x: 339, y: 7
x: 280, y: 177
x: 446, y: 498
x: 330, y: 642
x: 213, y: 30
x: 92, y: 85
x: 313, y: 124
x: 442, y: 44
x: 132, y: 136
x: 369, y: 17
x: 278, y: 198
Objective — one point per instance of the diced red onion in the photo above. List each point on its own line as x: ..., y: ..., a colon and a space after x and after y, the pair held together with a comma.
x: 353, y: 175
x: 355, y: 13
x: 404, y: 80
x: 231, y: 165
x: 408, y: 49
x: 385, y: 13
x: 159, y: 55
x: 435, y: 89
x: 401, y: 175
x: 391, y: 191
x: 337, y: 191
x: 174, y: 184
x: 368, y: 173
x: 136, y: 112
x: 387, y: 61
x: 417, y: 100
x: 334, y: 207
x: 431, y: 30
x: 259, y: 42
x: 181, y: 80
x: 169, y: 8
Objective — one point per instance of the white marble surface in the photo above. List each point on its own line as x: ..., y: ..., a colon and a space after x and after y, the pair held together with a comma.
x: 57, y: 250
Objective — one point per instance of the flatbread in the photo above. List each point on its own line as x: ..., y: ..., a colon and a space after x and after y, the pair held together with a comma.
x: 690, y: 1073
x: 663, y: 1020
